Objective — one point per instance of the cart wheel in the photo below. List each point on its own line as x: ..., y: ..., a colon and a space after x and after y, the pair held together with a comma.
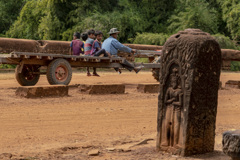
x: 155, y: 71
x: 59, y: 71
x: 27, y: 77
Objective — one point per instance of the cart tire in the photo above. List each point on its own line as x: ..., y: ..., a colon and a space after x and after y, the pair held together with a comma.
x: 26, y: 77
x: 59, y: 71
x: 156, y: 71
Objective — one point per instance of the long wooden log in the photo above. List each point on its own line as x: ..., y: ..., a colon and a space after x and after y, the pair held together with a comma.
x: 8, y: 45
x: 230, y: 54
x: 144, y: 47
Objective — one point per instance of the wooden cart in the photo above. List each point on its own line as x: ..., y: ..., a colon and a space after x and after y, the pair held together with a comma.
x: 59, y: 66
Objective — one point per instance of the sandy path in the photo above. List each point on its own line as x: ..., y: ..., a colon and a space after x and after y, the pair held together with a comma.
x: 68, y: 127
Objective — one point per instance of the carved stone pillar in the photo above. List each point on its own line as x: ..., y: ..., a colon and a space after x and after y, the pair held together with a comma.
x: 189, y: 80
x: 231, y: 144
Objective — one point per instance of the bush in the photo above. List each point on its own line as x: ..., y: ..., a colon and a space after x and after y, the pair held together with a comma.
x: 7, y: 66
x: 225, y: 42
x: 2, y: 35
x: 235, y: 66
x: 151, y: 38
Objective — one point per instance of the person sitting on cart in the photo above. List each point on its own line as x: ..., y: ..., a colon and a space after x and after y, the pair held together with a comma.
x: 84, y: 36
x: 76, y: 46
x: 112, y: 45
x: 87, y: 50
x: 97, y: 45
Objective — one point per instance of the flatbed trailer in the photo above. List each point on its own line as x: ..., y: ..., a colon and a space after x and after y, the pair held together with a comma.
x: 59, y: 66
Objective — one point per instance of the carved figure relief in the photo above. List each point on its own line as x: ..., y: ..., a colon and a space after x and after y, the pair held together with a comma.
x: 173, y: 107
x: 187, y: 106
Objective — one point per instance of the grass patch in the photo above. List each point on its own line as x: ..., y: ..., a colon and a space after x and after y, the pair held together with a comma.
x: 142, y: 60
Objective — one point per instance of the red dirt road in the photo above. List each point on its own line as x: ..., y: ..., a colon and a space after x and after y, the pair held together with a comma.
x: 70, y: 127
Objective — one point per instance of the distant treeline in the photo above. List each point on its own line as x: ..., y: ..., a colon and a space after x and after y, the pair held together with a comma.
x: 140, y: 21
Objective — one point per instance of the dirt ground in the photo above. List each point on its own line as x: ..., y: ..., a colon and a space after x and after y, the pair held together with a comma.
x: 70, y: 127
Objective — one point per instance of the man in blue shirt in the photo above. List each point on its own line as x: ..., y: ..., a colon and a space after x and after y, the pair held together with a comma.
x: 112, y: 45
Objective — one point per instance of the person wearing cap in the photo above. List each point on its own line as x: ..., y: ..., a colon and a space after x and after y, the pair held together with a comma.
x: 112, y: 45
x: 76, y: 46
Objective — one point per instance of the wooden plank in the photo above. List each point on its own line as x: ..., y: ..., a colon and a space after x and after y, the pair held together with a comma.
x: 148, y: 65
x: 17, y: 56
x: 67, y: 56
x: 79, y: 61
x: 39, y: 57
x: 26, y: 56
x: 74, y: 58
x: 4, y: 60
x: 11, y: 55
x: 97, y: 65
x: 40, y: 62
x: 49, y: 57
x: 98, y: 60
x: 86, y: 59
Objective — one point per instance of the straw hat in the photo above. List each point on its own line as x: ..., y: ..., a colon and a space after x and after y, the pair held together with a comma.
x: 113, y: 30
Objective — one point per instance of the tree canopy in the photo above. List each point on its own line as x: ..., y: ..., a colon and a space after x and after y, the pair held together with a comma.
x: 59, y: 19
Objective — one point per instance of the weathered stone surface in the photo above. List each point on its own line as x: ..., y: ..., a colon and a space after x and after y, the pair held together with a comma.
x: 102, y: 88
x: 189, y: 82
x: 231, y: 144
x: 148, y: 88
x: 94, y: 152
x: 232, y: 84
x: 42, y: 91
x: 110, y: 149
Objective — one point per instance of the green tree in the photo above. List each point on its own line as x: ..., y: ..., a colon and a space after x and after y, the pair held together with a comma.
x: 195, y: 14
x: 9, y: 11
x: 26, y: 26
x: 231, y: 15
x: 143, y: 21
x: 41, y: 19
x: 50, y: 26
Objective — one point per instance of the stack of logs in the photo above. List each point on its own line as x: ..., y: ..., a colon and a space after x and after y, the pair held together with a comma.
x: 8, y: 45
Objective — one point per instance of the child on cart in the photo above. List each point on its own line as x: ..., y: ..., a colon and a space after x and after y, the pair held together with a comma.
x: 84, y: 37
x: 97, y: 46
x: 76, y: 46
x: 87, y: 50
